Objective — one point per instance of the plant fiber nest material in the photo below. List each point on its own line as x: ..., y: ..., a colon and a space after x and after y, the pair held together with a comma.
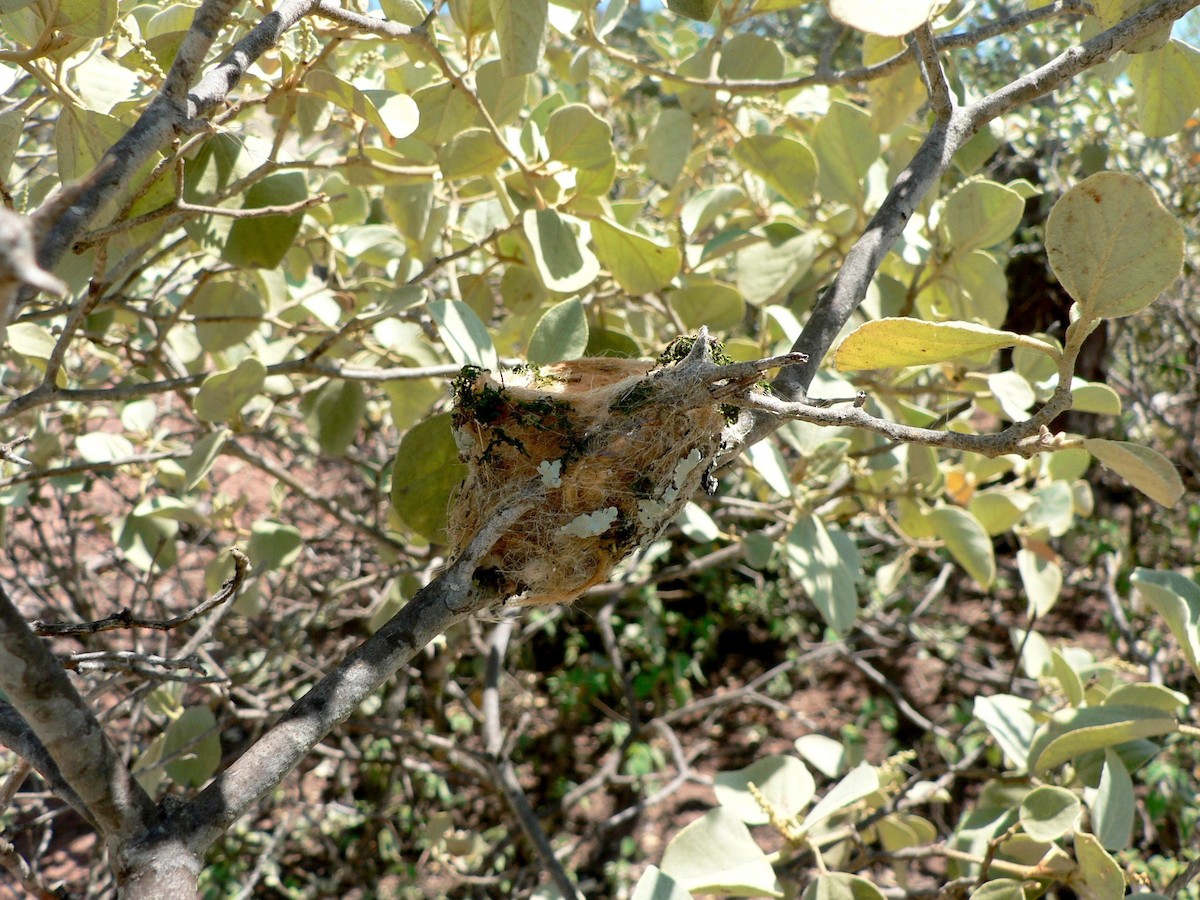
x: 615, y: 447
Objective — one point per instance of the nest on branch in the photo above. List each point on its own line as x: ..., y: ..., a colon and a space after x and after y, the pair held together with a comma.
x: 615, y: 447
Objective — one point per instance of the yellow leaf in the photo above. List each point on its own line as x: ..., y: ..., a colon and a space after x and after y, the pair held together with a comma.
x: 895, y: 342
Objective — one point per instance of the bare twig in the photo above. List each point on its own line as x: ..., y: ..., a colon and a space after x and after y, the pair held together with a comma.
x: 126, y: 619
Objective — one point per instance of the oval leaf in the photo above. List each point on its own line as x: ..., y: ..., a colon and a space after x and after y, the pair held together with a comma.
x: 1146, y: 469
x: 427, y: 470
x: 1113, y: 806
x: 783, y: 781
x: 1072, y: 732
x: 559, y: 255
x: 967, y: 542
x: 892, y: 19
x: 895, y: 342
x: 223, y: 394
x: 1048, y: 813
x: 1113, y: 245
x: 561, y: 333
x: 639, y: 264
x: 980, y: 214
x: 193, y: 742
x: 716, y: 854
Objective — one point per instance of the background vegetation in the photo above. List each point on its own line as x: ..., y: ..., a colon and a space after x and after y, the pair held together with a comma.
x: 942, y: 673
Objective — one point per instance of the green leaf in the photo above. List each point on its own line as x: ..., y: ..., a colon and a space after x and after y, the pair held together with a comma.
x: 398, y: 117
x: 827, y: 576
x: 465, y: 336
x: 31, y: 340
x: 638, y: 264
x: 786, y: 165
x: 999, y: 889
x: 980, y: 214
x: 224, y: 393
x: 782, y: 780
x: 443, y: 111
x: 273, y: 545
x: 471, y: 153
x: 967, y: 542
x: 521, y: 31
x: 12, y: 124
x: 426, y: 472
x: 655, y: 884
x: 746, y: 57
x: 895, y: 342
x: 859, y: 782
x: 1166, y: 86
x: 86, y: 18
x: 1093, y: 397
x: 841, y: 886
x: 1012, y: 393
x: 226, y: 312
x: 171, y: 508
x: 194, y: 741
x: 1008, y: 721
x: 845, y: 145
x: 825, y: 754
x: 1048, y: 813
x: 1177, y: 599
x: 561, y: 333
x: 560, y: 256
x: 697, y: 303
x: 1110, y: 12
x: 102, y: 447
x: 578, y: 137
x: 668, y: 145
x: 1113, y: 245
x: 1113, y: 805
x: 263, y: 241
x: 203, y: 455
x: 1101, y: 876
x: 81, y: 138
x: 716, y: 854
x: 147, y: 542
x: 335, y: 416
x: 999, y: 510
x: 1042, y: 579
x: 700, y: 10
x: 892, y: 19
x: 1072, y: 732
x: 1146, y: 469
x: 697, y: 524
x: 766, y: 271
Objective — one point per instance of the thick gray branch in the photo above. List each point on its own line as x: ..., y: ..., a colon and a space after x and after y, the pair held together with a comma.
x: 16, y: 734
x: 448, y: 599
x: 947, y: 136
x: 39, y: 689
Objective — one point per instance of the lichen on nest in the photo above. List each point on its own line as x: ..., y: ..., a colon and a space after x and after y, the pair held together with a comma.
x: 616, y: 447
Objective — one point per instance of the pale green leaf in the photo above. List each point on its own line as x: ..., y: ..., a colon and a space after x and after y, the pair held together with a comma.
x: 1048, y: 812
x: 718, y: 306
x: 402, y: 112
x: 841, y: 886
x: 274, y: 545
x: 1072, y: 732
x: 655, y: 884
x: 825, y: 754
x: 639, y: 264
x: 263, y: 241
x: 336, y: 412
x: 86, y: 18
x: 999, y: 889
x: 892, y: 19
x: 1156, y: 696
x: 980, y: 214
x: 31, y: 340
x: 716, y: 854
x: 1042, y: 579
x: 746, y: 57
x: 204, y: 455
x: 102, y: 447
x: 1166, y: 85
x: 578, y: 137
x: 785, y: 164
x: 471, y: 153
x: 1008, y: 721
x: 766, y: 271
x: 426, y: 472
x: 668, y: 145
x: 1110, y: 12
x: 782, y: 780
x: 1094, y: 397
x: 1013, y: 393
x: 192, y: 747
x: 967, y: 542
x: 1176, y: 598
x: 465, y: 336
x: 1113, y: 805
x: 1146, y: 469
x: 845, y: 145
x: 561, y: 333
x: 859, y: 782
x: 1101, y: 875
x: 560, y: 255
x: 521, y: 31
x: 895, y: 342
x: 223, y: 394
x: 1113, y: 245
x: 225, y: 312
x: 828, y: 573
x: 697, y: 524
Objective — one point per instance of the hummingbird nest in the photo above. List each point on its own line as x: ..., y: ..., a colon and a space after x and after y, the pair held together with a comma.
x: 616, y: 448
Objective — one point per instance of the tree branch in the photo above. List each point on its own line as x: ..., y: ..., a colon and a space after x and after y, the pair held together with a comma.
x: 41, y: 692
x: 448, y: 599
